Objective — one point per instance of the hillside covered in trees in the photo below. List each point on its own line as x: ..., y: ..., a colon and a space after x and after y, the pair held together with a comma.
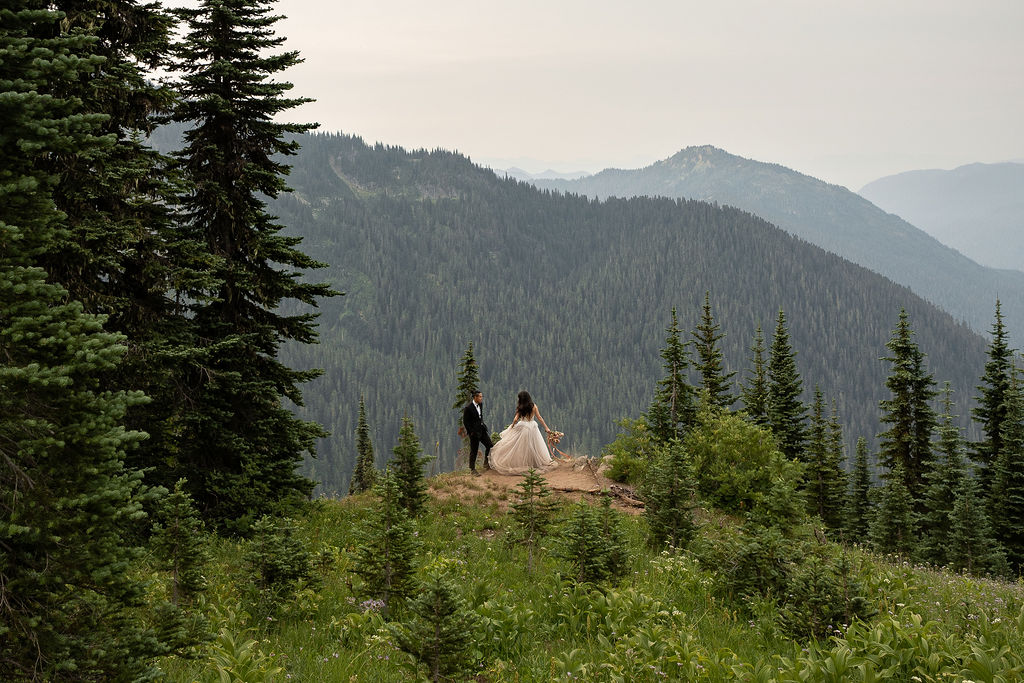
x: 566, y: 297
x: 829, y: 216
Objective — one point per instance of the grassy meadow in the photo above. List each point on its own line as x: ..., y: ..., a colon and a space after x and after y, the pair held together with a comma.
x: 671, y: 617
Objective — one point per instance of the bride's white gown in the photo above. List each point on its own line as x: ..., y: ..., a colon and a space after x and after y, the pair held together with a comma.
x: 521, y: 447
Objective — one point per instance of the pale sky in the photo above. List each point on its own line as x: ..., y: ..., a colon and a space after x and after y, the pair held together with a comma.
x: 844, y: 91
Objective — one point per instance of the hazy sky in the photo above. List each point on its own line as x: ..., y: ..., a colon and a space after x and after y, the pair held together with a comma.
x: 845, y: 91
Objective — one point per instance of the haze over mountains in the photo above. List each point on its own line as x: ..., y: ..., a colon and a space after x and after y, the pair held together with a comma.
x: 829, y: 216
x: 564, y: 296
x: 977, y: 209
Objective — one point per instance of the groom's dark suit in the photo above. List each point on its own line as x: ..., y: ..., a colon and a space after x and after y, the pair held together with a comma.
x: 473, y: 421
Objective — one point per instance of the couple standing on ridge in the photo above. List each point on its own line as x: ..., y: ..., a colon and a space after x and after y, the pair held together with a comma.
x: 521, y: 448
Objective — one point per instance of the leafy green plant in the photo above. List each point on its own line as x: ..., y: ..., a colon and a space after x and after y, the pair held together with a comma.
x: 631, y: 452
x: 237, y: 656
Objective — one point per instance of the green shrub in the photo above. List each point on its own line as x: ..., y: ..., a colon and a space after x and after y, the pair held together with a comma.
x: 631, y: 452
x: 591, y: 543
x: 739, y: 469
x: 668, y: 492
x: 441, y: 633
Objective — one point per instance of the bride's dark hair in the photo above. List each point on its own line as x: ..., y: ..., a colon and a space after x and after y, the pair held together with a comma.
x: 525, y: 404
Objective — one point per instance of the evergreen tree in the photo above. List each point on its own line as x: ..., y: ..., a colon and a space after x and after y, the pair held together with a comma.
x: 386, y: 547
x: 583, y: 545
x: 943, y: 480
x: 179, y: 545
x: 617, y: 562
x: 892, y: 528
x: 859, y: 509
x: 911, y: 419
x: 834, y: 465
x: 786, y: 413
x: 1007, y: 494
x: 240, y: 444
x: 365, y: 475
x: 533, y: 512
x: 408, y: 468
x: 990, y: 412
x: 469, y: 381
x: 971, y: 546
x: 441, y: 633
x: 673, y: 409
x: 755, y: 392
x: 468, y: 384
x: 119, y: 252
x: 714, y: 380
x: 276, y: 561
x: 668, y: 491
x: 68, y: 504
x: 824, y: 479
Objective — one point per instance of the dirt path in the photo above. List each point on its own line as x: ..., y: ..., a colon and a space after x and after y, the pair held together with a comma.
x: 572, y: 479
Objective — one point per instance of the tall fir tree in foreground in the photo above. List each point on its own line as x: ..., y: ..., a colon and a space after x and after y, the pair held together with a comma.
x: 893, y: 525
x: 407, y: 465
x: 709, y: 362
x: 908, y: 413
x: 755, y: 391
x: 68, y: 504
x: 859, y: 508
x: 240, y: 443
x: 835, y: 457
x: 942, y: 482
x: 365, y: 474
x: 786, y: 412
x: 673, y: 409
x: 990, y: 411
x: 120, y: 252
x: 971, y: 544
x: 1006, y: 501
x: 823, y: 478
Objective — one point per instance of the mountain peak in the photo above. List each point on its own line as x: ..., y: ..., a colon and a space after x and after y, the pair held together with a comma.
x: 698, y: 154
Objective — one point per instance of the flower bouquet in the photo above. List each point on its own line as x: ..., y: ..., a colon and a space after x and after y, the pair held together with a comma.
x: 554, y: 437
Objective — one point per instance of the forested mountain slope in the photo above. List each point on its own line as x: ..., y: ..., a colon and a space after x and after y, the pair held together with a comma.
x: 829, y: 216
x: 566, y: 297
x: 977, y: 209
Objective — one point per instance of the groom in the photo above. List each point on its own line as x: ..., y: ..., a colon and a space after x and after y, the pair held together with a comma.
x: 473, y: 421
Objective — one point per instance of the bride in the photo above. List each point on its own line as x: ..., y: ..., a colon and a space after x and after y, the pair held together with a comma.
x: 522, y: 446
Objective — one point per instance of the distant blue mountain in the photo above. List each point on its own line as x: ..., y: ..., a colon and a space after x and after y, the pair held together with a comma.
x: 976, y: 209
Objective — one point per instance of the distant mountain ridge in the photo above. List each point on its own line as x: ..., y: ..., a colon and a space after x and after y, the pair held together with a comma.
x: 829, y: 216
x: 977, y: 209
x: 549, y: 174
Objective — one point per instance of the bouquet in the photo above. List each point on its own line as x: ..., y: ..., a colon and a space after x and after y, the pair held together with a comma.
x: 553, y: 438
